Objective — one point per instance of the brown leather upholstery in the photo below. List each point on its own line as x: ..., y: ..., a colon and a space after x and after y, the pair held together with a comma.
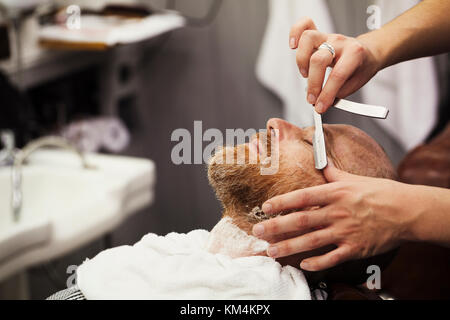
x: 428, y: 164
x: 342, y: 291
x: 422, y: 271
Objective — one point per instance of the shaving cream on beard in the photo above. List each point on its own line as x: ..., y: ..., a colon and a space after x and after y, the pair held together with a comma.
x: 228, y: 239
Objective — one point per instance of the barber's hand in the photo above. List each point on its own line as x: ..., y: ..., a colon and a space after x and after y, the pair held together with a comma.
x: 362, y: 216
x: 354, y: 65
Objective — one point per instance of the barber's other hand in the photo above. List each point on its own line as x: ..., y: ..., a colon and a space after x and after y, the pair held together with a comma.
x: 362, y: 216
x: 355, y: 63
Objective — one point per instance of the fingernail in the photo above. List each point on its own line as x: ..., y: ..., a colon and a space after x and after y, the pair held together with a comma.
x: 305, y: 265
x: 292, y: 43
x: 303, y: 72
x: 319, y: 107
x: 272, y: 251
x: 311, y: 98
x: 258, y: 230
x: 267, y: 208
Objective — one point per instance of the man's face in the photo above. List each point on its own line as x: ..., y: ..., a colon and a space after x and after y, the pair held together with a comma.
x: 241, y: 187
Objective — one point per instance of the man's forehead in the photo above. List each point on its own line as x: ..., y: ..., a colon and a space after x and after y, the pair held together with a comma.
x: 335, y: 131
x: 342, y: 129
x: 346, y: 140
x: 346, y: 132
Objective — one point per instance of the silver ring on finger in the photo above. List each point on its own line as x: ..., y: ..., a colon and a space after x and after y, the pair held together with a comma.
x: 328, y: 47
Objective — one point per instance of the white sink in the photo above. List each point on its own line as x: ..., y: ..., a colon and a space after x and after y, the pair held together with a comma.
x: 66, y: 206
x: 21, y: 4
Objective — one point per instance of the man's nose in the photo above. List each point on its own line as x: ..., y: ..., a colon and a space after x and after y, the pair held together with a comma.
x: 283, y: 127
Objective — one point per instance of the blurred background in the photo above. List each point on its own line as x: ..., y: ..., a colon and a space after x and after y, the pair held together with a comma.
x: 121, y: 87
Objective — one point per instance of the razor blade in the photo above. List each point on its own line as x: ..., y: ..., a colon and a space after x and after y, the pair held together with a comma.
x: 320, y: 152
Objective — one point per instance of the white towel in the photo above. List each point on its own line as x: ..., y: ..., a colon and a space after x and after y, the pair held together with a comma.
x: 409, y: 90
x: 276, y: 67
x: 179, y: 266
x: 90, y: 135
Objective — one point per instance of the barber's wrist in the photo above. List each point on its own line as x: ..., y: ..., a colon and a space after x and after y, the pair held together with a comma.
x: 416, y: 206
x: 373, y: 41
x: 403, y: 220
x: 430, y: 207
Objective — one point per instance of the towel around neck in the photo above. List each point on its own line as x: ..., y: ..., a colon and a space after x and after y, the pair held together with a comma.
x: 180, y: 266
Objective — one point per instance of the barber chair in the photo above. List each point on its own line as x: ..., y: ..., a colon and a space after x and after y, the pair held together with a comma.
x: 419, y: 270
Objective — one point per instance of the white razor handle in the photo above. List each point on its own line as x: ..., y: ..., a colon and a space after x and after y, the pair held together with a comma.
x: 367, y: 110
x: 320, y: 153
